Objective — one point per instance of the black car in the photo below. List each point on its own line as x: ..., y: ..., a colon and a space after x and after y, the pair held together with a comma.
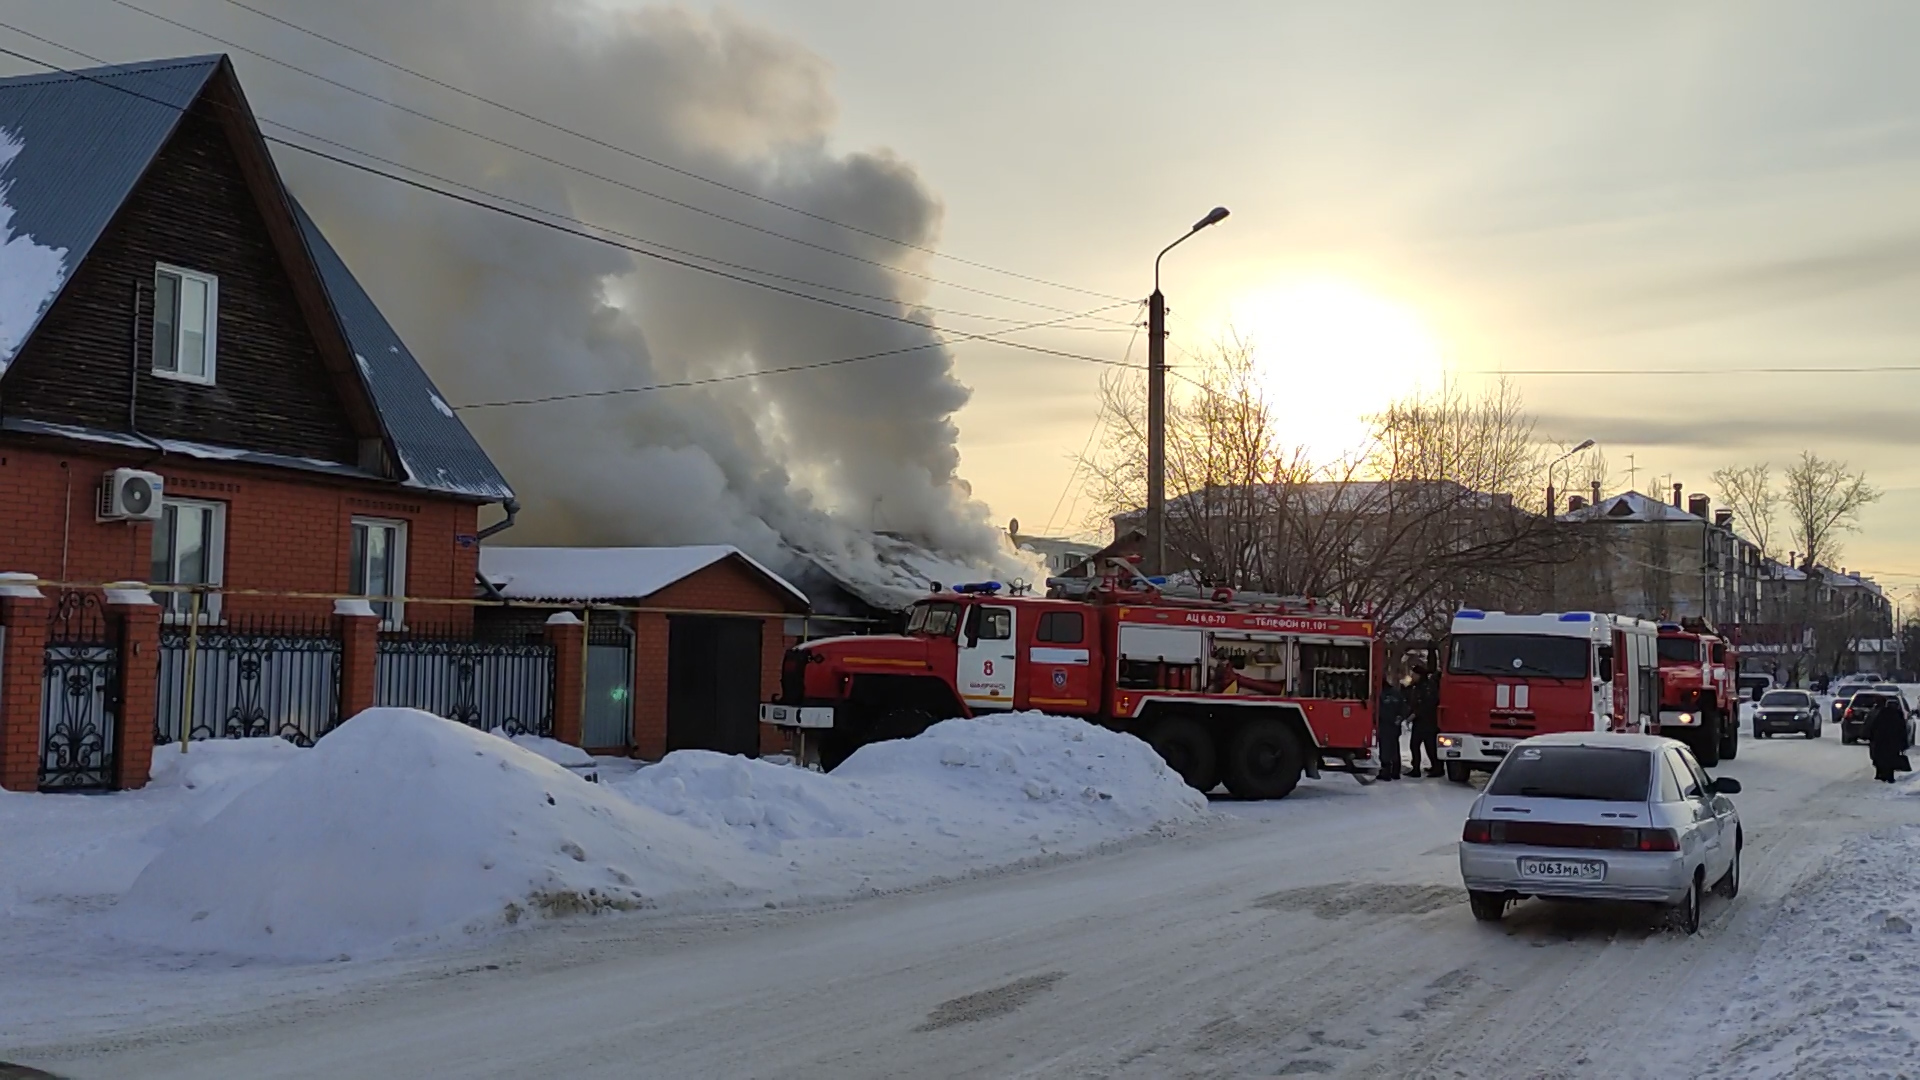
x: 1792, y: 711
x: 1860, y: 707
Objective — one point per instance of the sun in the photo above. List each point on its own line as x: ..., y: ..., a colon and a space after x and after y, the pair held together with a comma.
x: 1330, y: 354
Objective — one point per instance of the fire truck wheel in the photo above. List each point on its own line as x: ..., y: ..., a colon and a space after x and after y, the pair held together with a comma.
x: 1263, y: 760
x: 1729, y: 736
x: 1187, y: 750
x: 1706, y: 744
x: 1458, y: 772
x: 902, y: 723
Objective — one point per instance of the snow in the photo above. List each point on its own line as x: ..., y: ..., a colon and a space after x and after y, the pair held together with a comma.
x: 890, y: 573
x: 30, y: 274
x: 625, y: 573
x: 440, y: 405
x: 401, y: 832
x: 565, y: 755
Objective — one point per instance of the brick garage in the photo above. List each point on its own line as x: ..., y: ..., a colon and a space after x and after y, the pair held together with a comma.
x: 707, y: 638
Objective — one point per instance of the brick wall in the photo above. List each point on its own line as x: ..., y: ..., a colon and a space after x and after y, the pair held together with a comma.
x: 725, y: 586
x: 284, y: 530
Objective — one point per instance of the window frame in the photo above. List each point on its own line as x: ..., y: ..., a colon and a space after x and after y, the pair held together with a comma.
x: 1045, y: 633
x: 395, y: 617
x: 216, y: 558
x: 212, y: 348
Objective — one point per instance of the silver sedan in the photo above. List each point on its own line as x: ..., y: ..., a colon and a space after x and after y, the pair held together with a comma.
x: 1598, y: 816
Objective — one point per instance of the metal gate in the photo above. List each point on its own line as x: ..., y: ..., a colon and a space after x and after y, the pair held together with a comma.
x: 608, y: 724
x: 79, y: 696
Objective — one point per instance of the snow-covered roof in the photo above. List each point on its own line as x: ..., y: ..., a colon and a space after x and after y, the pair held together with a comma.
x: 617, y: 573
x: 1630, y: 506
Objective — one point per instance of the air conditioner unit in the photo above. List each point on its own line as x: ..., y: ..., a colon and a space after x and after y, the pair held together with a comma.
x: 130, y: 495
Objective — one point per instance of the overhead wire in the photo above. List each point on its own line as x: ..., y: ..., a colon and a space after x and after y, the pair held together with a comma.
x: 559, y: 163
x: 1079, y: 461
x: 993, y: 338
x: 656, y: 162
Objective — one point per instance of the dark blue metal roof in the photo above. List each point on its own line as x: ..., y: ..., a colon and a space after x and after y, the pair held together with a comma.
x: 436, y: 449
x: 86, y: 139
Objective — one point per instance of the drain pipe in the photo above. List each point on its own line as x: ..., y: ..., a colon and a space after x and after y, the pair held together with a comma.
x: 512, y: 507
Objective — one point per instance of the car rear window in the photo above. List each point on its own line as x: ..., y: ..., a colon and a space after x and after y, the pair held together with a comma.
x: 1603, y: 773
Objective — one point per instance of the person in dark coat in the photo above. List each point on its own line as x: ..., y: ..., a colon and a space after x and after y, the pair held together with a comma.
x: 1393, y: 705
x: 1887, y: 739
x: 1423, y: 708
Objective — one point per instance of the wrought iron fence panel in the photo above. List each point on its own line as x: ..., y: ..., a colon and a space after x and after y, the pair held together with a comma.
x: 250, y: 679
x: 484, y: 684
x: 79, y: 696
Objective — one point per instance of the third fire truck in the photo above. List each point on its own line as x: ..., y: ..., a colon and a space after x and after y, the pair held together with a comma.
x: 1506, y: 677
x: 1249, y: 692
x: 1699, y: 690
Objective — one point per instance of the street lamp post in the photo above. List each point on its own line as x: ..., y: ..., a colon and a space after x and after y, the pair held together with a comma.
x: 1550, y: 465
x: 1156, y: 553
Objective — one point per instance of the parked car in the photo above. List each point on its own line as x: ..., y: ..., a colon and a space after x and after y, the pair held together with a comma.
x: 1787, y: 710
x: 1859, y: 709
x: 1601, y: 816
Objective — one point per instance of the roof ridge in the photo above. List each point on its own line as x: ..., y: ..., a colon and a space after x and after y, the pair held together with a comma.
x: 109, y: 71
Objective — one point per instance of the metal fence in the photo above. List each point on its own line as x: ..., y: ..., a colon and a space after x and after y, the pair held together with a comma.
x: 484, y: 684
x: 79, y: 696
x: 249, y: 679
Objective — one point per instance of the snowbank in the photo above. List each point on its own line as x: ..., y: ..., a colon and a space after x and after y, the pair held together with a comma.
x: 567, y: 756
x: 1835, y: 989
x: 403, y: 828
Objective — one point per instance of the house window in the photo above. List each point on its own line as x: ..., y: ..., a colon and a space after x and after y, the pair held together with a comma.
x: 380, y: 565
x: 189, y: 548
x: 186, y: 308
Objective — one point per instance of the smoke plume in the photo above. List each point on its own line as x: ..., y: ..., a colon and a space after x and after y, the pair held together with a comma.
x: 498, y: 309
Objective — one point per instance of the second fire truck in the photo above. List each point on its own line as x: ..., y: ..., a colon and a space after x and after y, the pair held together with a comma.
x: 1250, y: 693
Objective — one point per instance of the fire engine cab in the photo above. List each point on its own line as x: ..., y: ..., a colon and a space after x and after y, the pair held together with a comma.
x: 1699, y: 691
x: 1506, y: 677
x: 1253, y: 692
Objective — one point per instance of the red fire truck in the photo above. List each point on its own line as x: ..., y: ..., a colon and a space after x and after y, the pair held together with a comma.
x: 1699, y: 690
x: 1506, y: 677
x: 1252, y: 693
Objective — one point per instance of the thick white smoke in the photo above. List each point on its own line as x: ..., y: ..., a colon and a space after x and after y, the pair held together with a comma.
x: 499, y: 309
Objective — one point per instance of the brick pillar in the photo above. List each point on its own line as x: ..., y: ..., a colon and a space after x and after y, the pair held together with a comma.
x: 568, y: 636
x: 359, y: 630
x: 651, y: 636
x: 138, y: 617
x: 23, y: 617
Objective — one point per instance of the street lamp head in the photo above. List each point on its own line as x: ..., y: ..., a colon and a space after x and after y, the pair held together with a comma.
x: 1583, y: 446
x: 1214, y: 217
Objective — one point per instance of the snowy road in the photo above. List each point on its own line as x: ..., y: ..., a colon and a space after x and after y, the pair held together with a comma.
x: 1324, y: 935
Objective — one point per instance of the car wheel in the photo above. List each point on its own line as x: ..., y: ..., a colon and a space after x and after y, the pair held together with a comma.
x: 1846, y: 739
x: 1762, y: 735
x: 1187, y: 749
x: 1686, y: 917
x: 1729, y: 886
x: 1263, y: 760
x: 1487, y: 906
x: 1813, y: 732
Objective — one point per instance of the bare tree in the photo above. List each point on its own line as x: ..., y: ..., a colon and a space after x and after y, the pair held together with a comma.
x: 1823, y: 501
x: 1747, y: 490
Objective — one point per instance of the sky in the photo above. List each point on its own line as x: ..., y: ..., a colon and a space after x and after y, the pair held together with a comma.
x: 1418, y: 192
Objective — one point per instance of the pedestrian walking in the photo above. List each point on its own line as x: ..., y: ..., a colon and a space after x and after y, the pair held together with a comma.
x: 1423, y: 708
x: 1887, y: 740
x: 1393, y: 705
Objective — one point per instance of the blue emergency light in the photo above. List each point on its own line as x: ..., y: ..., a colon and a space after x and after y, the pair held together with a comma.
x: 1577, y: 616
x: 984, y: 588
x: 1669, y: 627
x: 1469, y: 613
x: 1157, y: 580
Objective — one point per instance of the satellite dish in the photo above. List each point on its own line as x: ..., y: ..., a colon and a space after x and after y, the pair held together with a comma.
x: 1013, y: 527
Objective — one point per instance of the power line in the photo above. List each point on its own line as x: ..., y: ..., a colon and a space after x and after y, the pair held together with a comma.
x: 579, y: 232
x: 537, y: 156
x: 1080, y: 461
x: 656, y: 162
x: 739, y: 375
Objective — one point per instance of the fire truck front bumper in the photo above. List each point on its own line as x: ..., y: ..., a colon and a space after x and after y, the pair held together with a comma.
x: 807, y: 717
x: 1475, y: 749
x: 1679, y: 718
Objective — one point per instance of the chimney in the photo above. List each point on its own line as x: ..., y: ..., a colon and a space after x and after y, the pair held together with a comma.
x: 1676, y: 495
x: 1723, y: 518
x: 1595, y: 488
x: 1699, y: 505
x: 1575, y: 502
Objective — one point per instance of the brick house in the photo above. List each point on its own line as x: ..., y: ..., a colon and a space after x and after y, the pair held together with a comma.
x: 667, y: 676
x: 168, y: 310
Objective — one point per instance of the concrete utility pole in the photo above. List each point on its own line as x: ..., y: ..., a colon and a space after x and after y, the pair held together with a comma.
x: 1156, y: 553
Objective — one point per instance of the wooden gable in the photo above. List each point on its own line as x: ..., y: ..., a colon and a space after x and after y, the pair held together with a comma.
x: 210, y: 202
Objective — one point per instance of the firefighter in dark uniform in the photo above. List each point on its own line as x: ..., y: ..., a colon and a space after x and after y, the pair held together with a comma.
x: 1393, y: 705
x: 1423, y: 706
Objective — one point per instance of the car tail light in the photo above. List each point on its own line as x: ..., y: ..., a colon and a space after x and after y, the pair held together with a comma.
x: 1554, y: 834
x: 1658, y: 839
x: 1477, y: 832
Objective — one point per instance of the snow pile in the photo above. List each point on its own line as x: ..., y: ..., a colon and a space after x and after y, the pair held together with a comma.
x: 566, y: 755
x: 30, y: 275
x: 1836, y: 989
x: 403, y: 828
